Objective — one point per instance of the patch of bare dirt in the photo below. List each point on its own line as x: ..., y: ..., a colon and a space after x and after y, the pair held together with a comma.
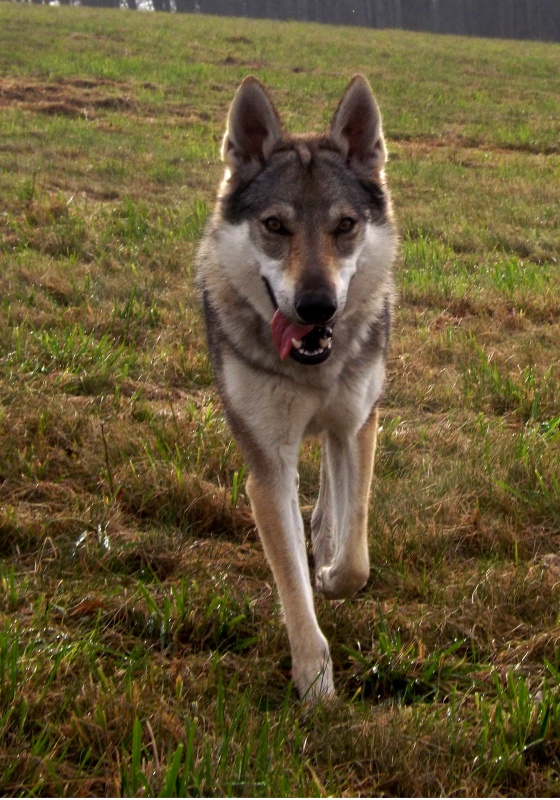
x: 79, y: 98
x: 464, y: 143
x: 232, y: 61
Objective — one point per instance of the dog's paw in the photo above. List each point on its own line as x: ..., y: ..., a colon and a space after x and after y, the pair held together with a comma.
x: 314, y: 683
x: 312, y: 667
x: 336, y: 582
x: 323, y: 551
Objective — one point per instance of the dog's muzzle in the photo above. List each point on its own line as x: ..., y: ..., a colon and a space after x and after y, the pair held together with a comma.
x: 315, y: 347
x: 305, y: 343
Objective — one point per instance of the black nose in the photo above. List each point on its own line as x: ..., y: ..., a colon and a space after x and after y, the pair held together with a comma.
x: 315, y: 308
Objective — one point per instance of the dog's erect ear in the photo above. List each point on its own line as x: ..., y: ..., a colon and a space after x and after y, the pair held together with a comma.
x: 356, y: 127
x: 253, y: 128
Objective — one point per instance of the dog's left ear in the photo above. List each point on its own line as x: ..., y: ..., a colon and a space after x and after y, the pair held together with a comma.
x: 356, y: 127
x: 253, y: 128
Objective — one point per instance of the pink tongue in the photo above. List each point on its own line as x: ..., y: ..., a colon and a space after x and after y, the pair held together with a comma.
x: 283, y: 331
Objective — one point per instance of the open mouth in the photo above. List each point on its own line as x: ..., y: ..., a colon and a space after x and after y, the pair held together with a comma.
x: 314, y: 347
x: 307, y: 344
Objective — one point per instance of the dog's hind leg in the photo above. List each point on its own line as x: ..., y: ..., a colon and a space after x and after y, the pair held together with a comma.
x: 341, y: 523
x: 275, y: 507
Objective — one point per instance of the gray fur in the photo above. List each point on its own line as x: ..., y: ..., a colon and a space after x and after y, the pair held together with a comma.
x: 332, y: 231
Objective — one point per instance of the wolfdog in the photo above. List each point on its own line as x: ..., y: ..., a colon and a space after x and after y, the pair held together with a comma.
x: 295, y: 276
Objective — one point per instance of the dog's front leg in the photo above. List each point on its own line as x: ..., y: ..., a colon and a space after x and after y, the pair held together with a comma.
x: 275, y: 507
x: 340, y: 524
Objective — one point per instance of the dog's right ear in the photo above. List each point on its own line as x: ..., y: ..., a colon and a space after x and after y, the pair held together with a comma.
x: 356, y: 127
x: 253, y: 128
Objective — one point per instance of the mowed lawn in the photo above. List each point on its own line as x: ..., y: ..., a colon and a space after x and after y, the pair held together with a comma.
x: 142, y: 649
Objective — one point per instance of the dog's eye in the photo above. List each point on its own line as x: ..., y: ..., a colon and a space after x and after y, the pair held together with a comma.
x: 346, y: 225
x: 273, y: 225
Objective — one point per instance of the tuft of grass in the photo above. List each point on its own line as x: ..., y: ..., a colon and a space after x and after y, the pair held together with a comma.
x: 142, y: 651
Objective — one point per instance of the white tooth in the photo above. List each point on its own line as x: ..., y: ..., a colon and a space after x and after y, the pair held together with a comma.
x: 324, y: 343
x: 297, y: 343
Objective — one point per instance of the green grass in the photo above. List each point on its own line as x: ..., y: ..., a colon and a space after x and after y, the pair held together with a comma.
x: 142, y: 650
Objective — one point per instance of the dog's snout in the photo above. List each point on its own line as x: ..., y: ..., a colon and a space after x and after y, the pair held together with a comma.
x: 316, y: 308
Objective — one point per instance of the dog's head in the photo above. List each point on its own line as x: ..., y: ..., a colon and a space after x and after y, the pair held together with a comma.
x: 302, y: 212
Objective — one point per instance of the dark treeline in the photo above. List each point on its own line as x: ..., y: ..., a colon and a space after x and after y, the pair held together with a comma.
x: 512, y: 19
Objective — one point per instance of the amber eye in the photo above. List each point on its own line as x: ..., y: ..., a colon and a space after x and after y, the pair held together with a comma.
x: 346, y: 225
x: 273, y: 225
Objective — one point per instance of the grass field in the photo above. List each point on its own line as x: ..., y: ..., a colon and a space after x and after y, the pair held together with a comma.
x: 142, y: 651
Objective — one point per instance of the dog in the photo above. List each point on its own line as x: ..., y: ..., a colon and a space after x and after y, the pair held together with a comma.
x: 295, y: 276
